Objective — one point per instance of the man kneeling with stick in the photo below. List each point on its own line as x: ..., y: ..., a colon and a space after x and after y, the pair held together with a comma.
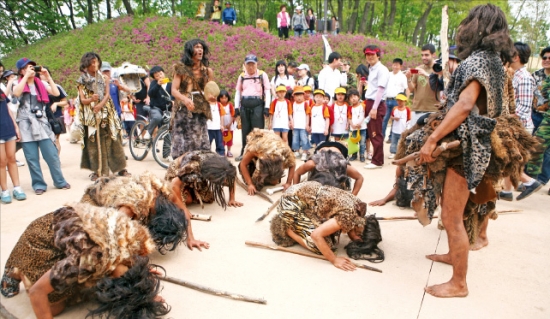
x: 313, y: 215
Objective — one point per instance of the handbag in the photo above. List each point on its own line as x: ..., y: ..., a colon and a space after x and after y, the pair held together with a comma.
x: 299, y: 27
x: 353, y: 147
x: 54, y: 123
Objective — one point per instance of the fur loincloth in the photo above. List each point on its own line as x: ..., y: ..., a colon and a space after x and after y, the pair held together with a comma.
x: 333, y: 163
x: 191, y: 84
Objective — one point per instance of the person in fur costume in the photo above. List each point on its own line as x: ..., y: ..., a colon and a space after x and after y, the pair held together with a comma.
x: 199, y: 177
x: 314, y: 213
x: 492, y: 146
x: 96, y: 105
x: 331, y: 157
x: 265, y: 158
x: 147, y: 199
x: 81, y: 252
x: 191, y: 110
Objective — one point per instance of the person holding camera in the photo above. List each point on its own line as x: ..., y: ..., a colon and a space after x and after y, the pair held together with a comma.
x: 35, y: 130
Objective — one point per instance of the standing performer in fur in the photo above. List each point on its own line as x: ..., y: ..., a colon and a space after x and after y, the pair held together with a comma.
x: 199, y: 177
x: 331, y: 158
x: 93, y: 92
x: 84, y: 252
x: 192, y: 109
x: 265, y: 159
x: 492, y: 146
x: 147, y: 199
x: 314, y: 213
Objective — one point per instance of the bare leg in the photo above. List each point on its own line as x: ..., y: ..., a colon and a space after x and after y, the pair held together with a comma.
x: 285, y: 136
x: 57, y: 308
x: 455, y: 196
x: 57, y: 144
x: 482, y: 239
x: 3, y: 164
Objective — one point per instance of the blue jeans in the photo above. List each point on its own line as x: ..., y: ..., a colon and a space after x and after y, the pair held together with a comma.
x: 310, y: 32
x: 298, y: 33
x: 537, y: 119
x: 49, y: 152
x: 318, y: 138
x: 217, y: 135
x: 155, y: 119
x: 390, y: 104
x: 394, y: 140
x: 299, y: 138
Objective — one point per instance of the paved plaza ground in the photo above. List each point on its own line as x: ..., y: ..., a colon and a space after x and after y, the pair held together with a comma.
x: 510, y: 278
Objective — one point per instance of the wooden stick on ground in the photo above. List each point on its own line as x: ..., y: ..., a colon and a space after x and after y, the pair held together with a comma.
x: 4, y: 313
x: 435, y: 216
x: 213, y: 291
x: 202, y: 217
x: 268, y: 210
x: 292, y: 251
x: 262, y: 195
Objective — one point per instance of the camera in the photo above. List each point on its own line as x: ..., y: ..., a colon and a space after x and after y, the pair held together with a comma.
x: 37, y: 111
x: 437, y: 66
x: 37, y: 68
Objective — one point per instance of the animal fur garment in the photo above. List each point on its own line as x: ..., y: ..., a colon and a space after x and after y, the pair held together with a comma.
x: 190, y: 84
x: 273, y: 157
x: 367, y: 247
x: 333, y: 163
x: 138, y: 193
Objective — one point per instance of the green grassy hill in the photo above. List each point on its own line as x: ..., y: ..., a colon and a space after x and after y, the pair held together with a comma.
x: 149, y: 41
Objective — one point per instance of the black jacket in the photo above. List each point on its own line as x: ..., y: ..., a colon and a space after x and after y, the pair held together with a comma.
x: 159, y: 97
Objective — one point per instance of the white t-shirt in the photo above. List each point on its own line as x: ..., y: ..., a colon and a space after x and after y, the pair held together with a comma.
x: 399, y: 126
x: 378, y: 76
x: 318, y: 119
x: 215, y: 122
x: 227, y: 117
x: 340, y: 119
x: 397, y: 83
x: 330, y: 80
x: 299, y: 115
x: 285, y: 80
x: 280, y: 115
x: 358, y: 116
x: 306, y: 81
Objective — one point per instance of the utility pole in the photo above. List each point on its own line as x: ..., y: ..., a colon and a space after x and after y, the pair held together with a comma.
x: 326, y: 21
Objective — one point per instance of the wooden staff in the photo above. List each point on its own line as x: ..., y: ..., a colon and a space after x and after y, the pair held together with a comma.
x: 262, y: 195
x: 292, y: 251
x: 416, y: 155
x: 213, y: 291
x: 268, y: 210
x: 435, y: 216
x: 98, y: 140
x: 4, y: 313
x: 202, y: 217
x: 443, y: 37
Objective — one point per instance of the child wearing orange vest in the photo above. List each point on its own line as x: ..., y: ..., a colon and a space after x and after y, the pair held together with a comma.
x: 280, y: 112
x: 320, y: 118
x: 341, y: 114
x: 227, y: 113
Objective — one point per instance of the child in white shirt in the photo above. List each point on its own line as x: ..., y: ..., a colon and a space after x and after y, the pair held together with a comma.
x: 300, y: 116
x: 320, y: 118
x: 228, y: 120
x: 400, y: 116
x: 357, y: 122
x: 215, y: 126
x: 280, y: 112
x: 341, y: 111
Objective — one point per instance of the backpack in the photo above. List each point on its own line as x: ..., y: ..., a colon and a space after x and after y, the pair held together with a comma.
x: 259, y: 77
x: 315, y: 82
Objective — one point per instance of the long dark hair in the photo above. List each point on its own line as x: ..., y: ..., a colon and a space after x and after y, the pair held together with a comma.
x: 485, y: 28
x: 280, y: 62
x: 86, y: 60
x: 224, y: 93
x: 219, y: 172
x: 168, y: 226
x: 130, y: 296
x: 189, y: 49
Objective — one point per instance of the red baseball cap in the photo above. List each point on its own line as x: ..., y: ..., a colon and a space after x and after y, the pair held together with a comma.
x: 372, y: 51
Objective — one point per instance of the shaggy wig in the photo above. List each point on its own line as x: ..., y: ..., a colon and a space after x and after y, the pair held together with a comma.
x: 132, y: 296
x: 168, y: 226
x: 189, y: 50
x: 219, y: 172
x: 485, y: 28
x: 86, y: 60
x: 367, y: 247
x: 269, y: 170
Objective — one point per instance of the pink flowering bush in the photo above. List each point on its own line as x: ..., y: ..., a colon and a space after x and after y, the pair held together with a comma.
x: 150, y: 41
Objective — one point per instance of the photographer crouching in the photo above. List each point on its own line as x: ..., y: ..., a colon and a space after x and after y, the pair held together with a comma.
x: 36, y: 132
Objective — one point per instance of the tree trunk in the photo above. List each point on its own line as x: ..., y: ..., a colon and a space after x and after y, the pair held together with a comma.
x: 371, y: 22
x: 364, y: 18
x: 16, y: 24
x: 208, y: 10
x: 144, y: 6
x: 109, y: 16
x: 353, y: 19
x: 384, y: 19
x: 391, y: 20
x: 173, y: 7
x: 128, y: 7
x: 421, y: 24
x: 71, y: 13
x: 341, y: 15
x: 90, y: 12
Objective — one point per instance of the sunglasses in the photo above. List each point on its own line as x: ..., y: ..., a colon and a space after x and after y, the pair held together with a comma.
x: 544, y: 58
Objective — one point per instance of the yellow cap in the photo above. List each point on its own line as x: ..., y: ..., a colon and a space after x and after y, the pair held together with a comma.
x: 280, y: 88
x: 307, y: 88
x: 319, y: 92
x: 340, y: 90
x: 401, y: 97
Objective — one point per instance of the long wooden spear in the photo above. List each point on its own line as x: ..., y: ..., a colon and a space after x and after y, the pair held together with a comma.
x: 213, y: 291
x: 435, y: 216
x: 292, y: 251
x: 4, y: 313
x: 268, y: 210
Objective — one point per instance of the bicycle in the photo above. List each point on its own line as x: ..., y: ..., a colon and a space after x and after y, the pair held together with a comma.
x: 141, y: 142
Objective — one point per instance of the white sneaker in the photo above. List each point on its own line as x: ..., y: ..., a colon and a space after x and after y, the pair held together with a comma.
x: 391, y: 156
x: 296, y: 154
x: 372, y: 166
x: 19, y: 164
x: 304, y: 157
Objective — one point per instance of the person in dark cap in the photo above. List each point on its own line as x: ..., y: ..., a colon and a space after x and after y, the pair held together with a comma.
x: 229, y: 15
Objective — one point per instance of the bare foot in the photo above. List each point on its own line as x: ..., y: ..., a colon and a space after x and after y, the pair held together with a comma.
x: 480, y: 243
x: 448, y: 290
x: 446, y: 259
